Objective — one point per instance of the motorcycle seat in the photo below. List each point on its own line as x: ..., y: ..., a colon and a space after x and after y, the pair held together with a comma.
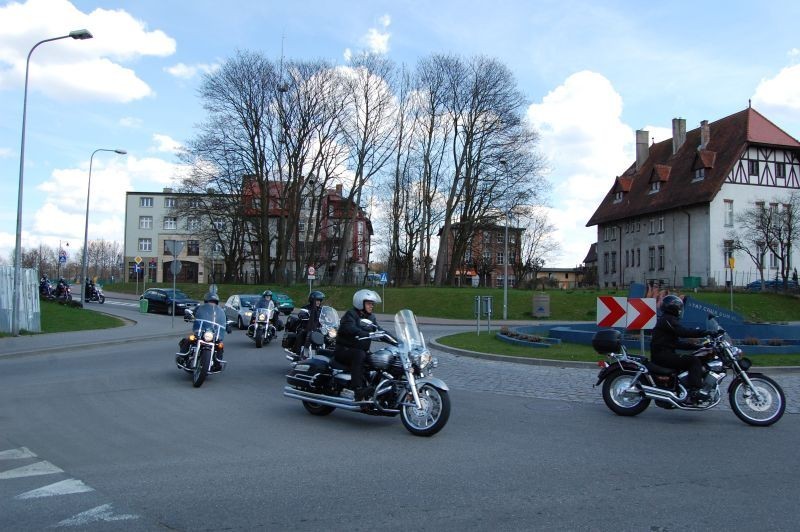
x: 659, y: 370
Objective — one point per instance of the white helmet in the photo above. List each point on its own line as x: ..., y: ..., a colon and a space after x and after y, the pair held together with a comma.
x: 365, y: 295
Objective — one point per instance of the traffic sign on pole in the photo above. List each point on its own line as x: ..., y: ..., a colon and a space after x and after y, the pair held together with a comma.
x: 641, y: 313
x: 611, y: 311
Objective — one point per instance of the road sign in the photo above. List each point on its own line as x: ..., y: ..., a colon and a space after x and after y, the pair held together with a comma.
x: 62, y: 259
x: 136, y: 268
x: 384, y: 278
x: 138, y: 260
x: 173, y: 247
x: 611, y: 311
x: 311, y: 271
x: 62, y: 253
x: 641, y: 313
x: 175, y: 267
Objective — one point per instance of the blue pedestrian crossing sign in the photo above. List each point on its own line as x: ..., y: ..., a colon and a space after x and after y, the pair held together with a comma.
x: 384, y: 278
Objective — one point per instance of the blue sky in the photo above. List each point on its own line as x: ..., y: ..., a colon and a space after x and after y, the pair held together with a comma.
x: 593, y: 73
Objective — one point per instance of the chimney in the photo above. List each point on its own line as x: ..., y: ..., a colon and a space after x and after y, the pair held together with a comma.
x: 642, y: 148
x: 705, y: 135
x: 339, y: 189
x: 167, y: 190
x: 678, y: 134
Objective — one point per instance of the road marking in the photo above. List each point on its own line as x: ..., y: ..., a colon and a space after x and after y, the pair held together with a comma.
x: 65, y: 487
x: 121, y: 303
x: 100, y: 513
x: 32, y: 470
x: 16, y: 454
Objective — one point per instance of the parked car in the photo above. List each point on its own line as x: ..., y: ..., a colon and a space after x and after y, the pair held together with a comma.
x: 239, y: 308
x: 283, y: 302
x: 161, y: 299
x: 772, y: 284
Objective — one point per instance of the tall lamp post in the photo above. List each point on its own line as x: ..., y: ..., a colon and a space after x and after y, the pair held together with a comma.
x: 86, y: 226
x: 77, y: 34
x: 505, y: 247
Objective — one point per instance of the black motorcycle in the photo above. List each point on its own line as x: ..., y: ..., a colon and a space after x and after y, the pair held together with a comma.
x: 261, y: 329
x: 95, y: 294
x: 46, y: 289
x: 63, y: 292
x: 203, y: 347
x: 399, y: 374
x: 630, y: 382
x: 327, y: 323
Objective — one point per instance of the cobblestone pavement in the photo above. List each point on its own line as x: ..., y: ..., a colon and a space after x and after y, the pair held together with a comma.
x: 553, y: 382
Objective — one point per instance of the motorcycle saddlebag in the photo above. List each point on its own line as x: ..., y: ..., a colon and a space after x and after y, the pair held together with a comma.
x: 607, y: 341
x: 288, y: 340
x: 291, y: 323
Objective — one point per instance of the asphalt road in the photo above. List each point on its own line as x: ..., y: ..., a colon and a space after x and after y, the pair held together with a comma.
x: 115, y: 438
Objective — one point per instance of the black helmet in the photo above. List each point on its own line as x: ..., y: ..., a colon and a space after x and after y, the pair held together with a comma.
x: 266, y: 293
x: 672, y: 305
x: 316, y: 295
x: 211, y: 297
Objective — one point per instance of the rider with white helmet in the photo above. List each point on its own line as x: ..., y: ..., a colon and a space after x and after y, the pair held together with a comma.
x: 350, y: 350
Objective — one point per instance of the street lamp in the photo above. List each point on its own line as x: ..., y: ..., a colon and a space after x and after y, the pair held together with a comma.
x: 86, y: 226
x: 77, y: 34
x: 505, y: 252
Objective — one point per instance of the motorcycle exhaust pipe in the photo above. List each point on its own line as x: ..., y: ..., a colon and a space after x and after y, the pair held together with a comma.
x: 336, y: 402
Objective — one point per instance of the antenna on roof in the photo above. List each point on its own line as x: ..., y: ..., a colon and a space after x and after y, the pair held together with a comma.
x: 749, y: 103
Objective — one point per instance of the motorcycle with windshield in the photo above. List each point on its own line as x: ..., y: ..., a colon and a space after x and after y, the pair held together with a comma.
x: 327, y: 323
x: 399, y: 374
x: 95, y: 294
x: 261, y: 328
x: 203, y: 354
x: 631, y: 382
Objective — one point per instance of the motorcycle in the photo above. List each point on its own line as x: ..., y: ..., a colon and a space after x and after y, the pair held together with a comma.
x: 399, y: 374
x: 630, y: 382
x: 261, y: 329
x: 96, y: 295
x: 296, y: 325
x: 46, y: 289
x: 63, y: 292
x: 204, y: 346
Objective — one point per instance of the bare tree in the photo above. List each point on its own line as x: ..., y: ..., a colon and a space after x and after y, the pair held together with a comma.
x: 537, y: 246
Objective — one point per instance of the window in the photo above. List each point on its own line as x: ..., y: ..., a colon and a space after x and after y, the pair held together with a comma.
x: 194, y: 203
x: 193, y: 247
x: 145, y: 202
x: 655, y: 186
x: 638, y: 226
x: 613, y: 262
x: 727, y: 252
x: 728, y: 213
x: 638, y: 257
x: 169, y: 203
x: 605, y: 262
x: 752, y: 167
x: 661, y: 257
x: 773, y: 261
x: 301, y: 227
x: 627, y: 258
x: 512, y: 257
x: 145, y: 244
x: 661, y: 225
x: 145, y: 222
x: 613, y: 232
x: 468, y: 256
x: 257, y: 204
x: 501, y: 259
x: 617, y: 197
x: 699, y: 174
x: 219, y: 226
x: 512, y: 238
x: 487, y: 256
x: 651, y: 252
x: 217, y: 248
x: 652, y: 226
x: 170, y: 222
x: 500, y: 238
x: 780, y: 170
x: 192, y: 224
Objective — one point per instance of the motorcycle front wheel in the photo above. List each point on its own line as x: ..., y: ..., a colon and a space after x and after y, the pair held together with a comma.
x: 619, y: 398
x: 762, y: 405
x: 259, y: 337
x: 433, y: 415
x: 201, y: 369
x: 102, y: 299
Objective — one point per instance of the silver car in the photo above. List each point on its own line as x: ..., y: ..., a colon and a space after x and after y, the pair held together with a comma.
x: 239, y: 308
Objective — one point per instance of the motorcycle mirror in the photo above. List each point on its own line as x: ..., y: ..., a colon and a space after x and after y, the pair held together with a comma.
x: 188, y: 315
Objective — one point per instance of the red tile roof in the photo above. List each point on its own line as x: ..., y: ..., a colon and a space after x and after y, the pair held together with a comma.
x: 729, y: 137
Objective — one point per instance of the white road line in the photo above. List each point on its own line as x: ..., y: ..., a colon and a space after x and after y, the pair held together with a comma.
x: 16, y: 454
x: 65, y: 487
x: 32, y: 470
x: 100, y: 513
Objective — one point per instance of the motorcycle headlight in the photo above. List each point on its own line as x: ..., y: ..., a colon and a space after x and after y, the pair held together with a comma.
x: 262, y: 317
x: 192, y: 338
x: 332, y: 333
x: 423, y: 360
x: 208, y: 336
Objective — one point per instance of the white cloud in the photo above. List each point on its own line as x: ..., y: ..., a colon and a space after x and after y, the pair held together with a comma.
x: 77, y: 69
x: 586, y: 145
x: 376, y: 40
x: 779, y: 95
x: 5, y: 152
x: 185, y: 71
x: 131, y: 122
x: 348, y: 54
x: 165, y: 143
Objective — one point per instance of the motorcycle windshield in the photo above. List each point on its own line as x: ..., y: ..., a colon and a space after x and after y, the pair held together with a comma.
x: 328, y: 317
x: 409, y: 335
x: 210, y: 317
x: 266, y: 311
x: 713, y: 325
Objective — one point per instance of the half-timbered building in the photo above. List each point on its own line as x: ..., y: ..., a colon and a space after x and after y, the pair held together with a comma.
x: 669, y: 217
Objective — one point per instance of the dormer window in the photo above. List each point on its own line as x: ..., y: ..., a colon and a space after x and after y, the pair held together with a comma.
x: 659, y: 174
x: 618, y: 196
x: 703, y: 163
x: 655, y: 186
x: 699, y: 174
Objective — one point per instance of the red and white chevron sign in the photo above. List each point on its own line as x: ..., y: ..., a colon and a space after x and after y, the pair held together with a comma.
x: 641, y: 313
x: 635, y: 313
x: 611, y: 311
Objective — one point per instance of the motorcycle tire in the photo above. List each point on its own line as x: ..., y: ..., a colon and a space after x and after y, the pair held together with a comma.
x: 259, y: 338
x: 762, y: 408
x: 102, y: 299
x: 620, y: 401
x: 201, y: 369
x: 317, y: 409
x: 434, y: 413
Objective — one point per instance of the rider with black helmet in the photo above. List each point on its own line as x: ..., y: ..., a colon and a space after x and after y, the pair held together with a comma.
x: 349, y: 349
x: 666, y: 339
x: 309, y: 319
x: 209, y: 310
x: 263, y: 302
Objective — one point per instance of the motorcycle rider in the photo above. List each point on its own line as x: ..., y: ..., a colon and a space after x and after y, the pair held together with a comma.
x: 313, y: 307
x: 89, y: 289
x: 263, y: 302
x: 209, y: 310
x: 666, y: 338
x: 349, y: 349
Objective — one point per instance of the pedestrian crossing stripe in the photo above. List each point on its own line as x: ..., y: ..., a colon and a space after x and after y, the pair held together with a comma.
x: 65, y: 487
x: 17, y: 454
x: 39, y: 468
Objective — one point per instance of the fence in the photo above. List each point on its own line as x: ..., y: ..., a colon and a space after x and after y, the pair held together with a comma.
x: 30, y: 312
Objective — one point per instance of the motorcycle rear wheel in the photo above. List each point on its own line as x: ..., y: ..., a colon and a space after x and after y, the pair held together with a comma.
x: 434, y: 413
x: 621, y: 401
x: 762, y: 408
x: 201, y: 369
x: 317, y: 409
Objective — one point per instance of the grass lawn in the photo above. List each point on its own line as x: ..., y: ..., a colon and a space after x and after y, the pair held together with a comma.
x: 62, y: 318
x: 487, y: 343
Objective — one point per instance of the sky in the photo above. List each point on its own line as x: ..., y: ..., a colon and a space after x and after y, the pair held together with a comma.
x: 592, y: 73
